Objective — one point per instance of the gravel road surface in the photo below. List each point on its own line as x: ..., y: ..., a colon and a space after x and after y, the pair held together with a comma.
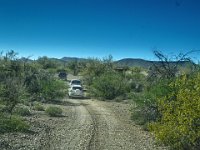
x: 85, y: 125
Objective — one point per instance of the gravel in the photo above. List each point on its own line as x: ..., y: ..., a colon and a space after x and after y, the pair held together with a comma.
x: 85, y: 125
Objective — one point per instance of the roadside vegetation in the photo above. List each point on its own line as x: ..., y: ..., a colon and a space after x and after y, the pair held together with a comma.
x: 179, y: 123
x: 169, y: 104
x: 53, y: 111
x: 38, y: 106
x: 25, y: 85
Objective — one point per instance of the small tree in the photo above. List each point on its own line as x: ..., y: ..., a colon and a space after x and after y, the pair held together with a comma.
x: 12, y: 92
x: 11, y: 81
x: 168, y: 67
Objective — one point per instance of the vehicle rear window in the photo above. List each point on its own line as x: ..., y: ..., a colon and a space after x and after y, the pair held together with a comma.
x: 77, y: 82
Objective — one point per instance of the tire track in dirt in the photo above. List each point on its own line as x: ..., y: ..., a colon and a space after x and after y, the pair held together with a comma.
x: 77, y: 130
x: 98, y: 135
x: 91, y: 125
x: 112, y: 133
x: 107, y: 134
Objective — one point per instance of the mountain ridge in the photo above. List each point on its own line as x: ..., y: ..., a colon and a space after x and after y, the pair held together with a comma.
x: 130, y: 62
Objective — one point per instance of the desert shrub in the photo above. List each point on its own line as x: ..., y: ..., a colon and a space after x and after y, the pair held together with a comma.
x: 38, y: 106
x: 108, y: 86
x: 13, y: 124
x: 136, y: 80
x: 43, y: 85
x: 12, y: 93
x: 53, y: 111
x: 22, y: 111
x: 120, y: 98
x: 145, y: 109
x: 47, y: 63
x: 136, y: 87
x: 53, y: 89
x: 94, y: 68
x: 179, y: 125
x: 2, y: 108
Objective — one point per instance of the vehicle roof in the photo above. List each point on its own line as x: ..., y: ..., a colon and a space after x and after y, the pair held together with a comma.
x: 75, y: 80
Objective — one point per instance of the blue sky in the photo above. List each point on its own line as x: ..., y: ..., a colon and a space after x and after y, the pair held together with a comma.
x: 97, y: 28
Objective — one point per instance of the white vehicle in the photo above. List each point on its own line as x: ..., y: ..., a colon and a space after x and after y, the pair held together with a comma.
x: 75, y: 82
x: 75, y: 91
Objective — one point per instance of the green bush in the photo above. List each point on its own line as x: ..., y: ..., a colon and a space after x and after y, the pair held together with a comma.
x: 53, y: 111
x: 179, y: 125
x: 53, y: 89
x: 136, y: 81
x: 13, y: 124
x: 146, y: 108
x: 120, y: 98
x: 94, y: 68
x: 108, y: 86
x: 38, y: 106
x: 12, y: 93
x: 22, y: 111
x: 2, y: 108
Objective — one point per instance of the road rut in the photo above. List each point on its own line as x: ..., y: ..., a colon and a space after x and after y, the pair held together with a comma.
x: 94, y: 126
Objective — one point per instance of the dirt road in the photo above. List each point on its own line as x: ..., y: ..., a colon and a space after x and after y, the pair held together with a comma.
x: 96, y: 125
x: 85, y: 125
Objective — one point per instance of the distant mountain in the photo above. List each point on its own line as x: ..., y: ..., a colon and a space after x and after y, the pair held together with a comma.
x: 68, y: 59
x: 131, y: 62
